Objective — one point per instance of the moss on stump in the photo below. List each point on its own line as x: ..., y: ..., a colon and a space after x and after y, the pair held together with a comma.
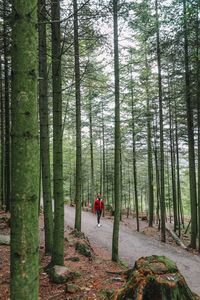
x: 157, y: 278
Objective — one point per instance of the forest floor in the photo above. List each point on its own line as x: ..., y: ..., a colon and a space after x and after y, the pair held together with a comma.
x: 96, y: 281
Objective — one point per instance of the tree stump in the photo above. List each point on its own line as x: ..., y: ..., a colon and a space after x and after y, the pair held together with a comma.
x: 155, y: 278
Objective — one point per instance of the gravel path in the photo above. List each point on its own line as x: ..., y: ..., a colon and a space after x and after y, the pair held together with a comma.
x: 133, y: 245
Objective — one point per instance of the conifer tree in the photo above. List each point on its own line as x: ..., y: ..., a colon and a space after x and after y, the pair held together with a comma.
x: 58, y: 233
x: 24, y: 152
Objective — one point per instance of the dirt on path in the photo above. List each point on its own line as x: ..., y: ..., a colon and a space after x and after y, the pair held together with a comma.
x: 133, y: 245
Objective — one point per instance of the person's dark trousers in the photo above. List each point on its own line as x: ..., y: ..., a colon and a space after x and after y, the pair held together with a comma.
x: 98, y: 215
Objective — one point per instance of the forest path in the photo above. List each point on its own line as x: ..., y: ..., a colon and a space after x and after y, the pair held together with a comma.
x: 133, y: 245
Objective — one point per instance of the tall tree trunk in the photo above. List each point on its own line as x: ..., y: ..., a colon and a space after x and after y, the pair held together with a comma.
x: 101, y: 167
x: 198, y: 115
x: 149, y: 141
x: 190, y: 128
x: 103, y: 150
x: 7, y: 107
x: 58, y: 233
x: 168, y: 188
x: 121, y: 183
x: 134, y: 157
x: 115, y: 240
x: 78, y: 121
x: 162, y: 170
x: 92, y: 193
x: 44, y: 128
x: 180, y: 208
x: 2, y: 184
x: 24, y: 153
x: 157, y: 172
x: 173, y: 174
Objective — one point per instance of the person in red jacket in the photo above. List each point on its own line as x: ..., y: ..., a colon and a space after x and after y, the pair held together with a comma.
x: 98, y: 207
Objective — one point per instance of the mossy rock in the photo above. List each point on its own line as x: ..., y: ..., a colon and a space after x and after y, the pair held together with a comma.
x: 155, y: 278
x: 84, y: 249
x: 59, y: 274
x: 4, y: 239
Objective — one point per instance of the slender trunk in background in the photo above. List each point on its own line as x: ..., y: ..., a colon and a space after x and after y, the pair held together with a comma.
x: 199, y: 173
x: 134, y: 156
x: 121, y: 183
x: 100, y: 164
x: 115, y: 239
x: 141, y: 199
x: 149, y: 141
x: 7, y: 107
x: 107, y: 185
x: 198, y: 114
x: 162, y: 170
x: 173, y: 174
x: 179, y: 202
x: 113, y: 201
x: 190, y: 128
x: 168, y: 187
x: 58, y: 233
x: 92, y: 193
x: 2, y: 185
x: 44, y: 128
x: 24, y: 153
x: 129, y: 192
x: 157, y: 171
x: 104, y: 159
x: 78, y: 121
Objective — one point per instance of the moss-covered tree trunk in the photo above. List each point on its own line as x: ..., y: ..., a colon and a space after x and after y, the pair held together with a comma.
x: 44, y: 128
x: 78, y: 121
x: 2, y: 194
x: 162, y: 165
x: 134, y: 155
x: 7, y: 105
x: 190, y: 132
x: 104, y: 156
x: 149, y: 143
x: 24, y: 152
x: 155, y: 278
x: 58, y: 233
x: 92, y: 193
x: 179, y: 198
x: 115, y: 240
x: 173, y: 173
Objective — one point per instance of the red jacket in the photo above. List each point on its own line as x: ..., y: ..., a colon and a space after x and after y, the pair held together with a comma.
x: 98, y: 205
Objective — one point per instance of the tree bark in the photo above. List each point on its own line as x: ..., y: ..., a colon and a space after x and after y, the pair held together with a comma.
x: 24, y: 153
x: 7, y: 107
x: 2, y: 184
x: 44, y: 128
x: 78, y: 121
x: 134, y: 157
x: 162, y: 170
x: 149, y: 143
x: 173, y: 174
x: 190, y: 129
x: 92, y: 193
x: 58, y: 234
x: 115, y: 250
